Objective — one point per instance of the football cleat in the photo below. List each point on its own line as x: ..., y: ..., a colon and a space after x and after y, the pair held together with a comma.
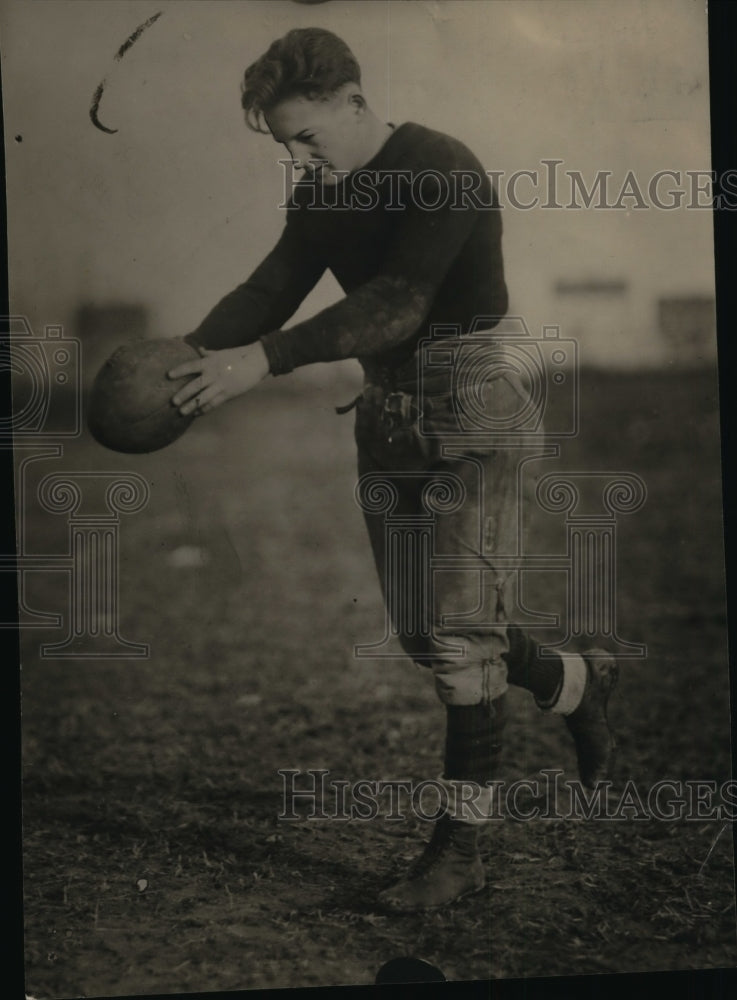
x: 588, y: 723
x: 449, y: 868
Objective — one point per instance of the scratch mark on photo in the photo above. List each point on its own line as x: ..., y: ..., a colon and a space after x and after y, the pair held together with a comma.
x: 97, y: 96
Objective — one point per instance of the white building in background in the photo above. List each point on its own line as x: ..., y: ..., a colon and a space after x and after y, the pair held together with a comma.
x: 595, y: 312
x: 619, y: 325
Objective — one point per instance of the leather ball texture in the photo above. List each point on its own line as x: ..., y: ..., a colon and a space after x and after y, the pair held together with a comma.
x: 130, y: 408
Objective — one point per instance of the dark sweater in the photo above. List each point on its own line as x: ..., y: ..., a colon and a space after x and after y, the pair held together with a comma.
x: 404, y: 269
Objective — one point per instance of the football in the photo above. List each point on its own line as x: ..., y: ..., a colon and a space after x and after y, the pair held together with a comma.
x: 130, y: 408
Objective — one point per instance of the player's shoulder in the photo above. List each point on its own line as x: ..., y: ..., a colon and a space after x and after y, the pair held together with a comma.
x: 418, y: 147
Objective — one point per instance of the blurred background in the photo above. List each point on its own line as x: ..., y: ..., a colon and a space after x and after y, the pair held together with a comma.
x: 142, y: 231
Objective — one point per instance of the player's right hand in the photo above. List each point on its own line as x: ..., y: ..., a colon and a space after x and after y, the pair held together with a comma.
x: 222, y: 375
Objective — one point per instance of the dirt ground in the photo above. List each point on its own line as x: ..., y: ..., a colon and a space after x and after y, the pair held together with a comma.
x: 155, y: 861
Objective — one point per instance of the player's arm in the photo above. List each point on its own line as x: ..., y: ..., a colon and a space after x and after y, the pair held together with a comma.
x: 390, y: 307
x: 270, y: 296
x: 232, y: 358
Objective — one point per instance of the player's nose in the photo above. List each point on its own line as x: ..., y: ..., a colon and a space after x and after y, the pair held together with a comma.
x: 304, y: 158
x: 298, y: 162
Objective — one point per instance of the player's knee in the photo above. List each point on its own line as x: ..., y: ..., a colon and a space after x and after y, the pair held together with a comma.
x: 470, y: 684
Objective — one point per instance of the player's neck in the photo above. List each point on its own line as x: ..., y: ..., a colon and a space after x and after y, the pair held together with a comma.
x: 377, y: 133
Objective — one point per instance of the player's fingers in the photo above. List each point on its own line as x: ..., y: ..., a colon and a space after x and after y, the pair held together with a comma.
x: 212, y: 404
x: 200, y: 399
x: 189, y: 390
x: 188, y: 368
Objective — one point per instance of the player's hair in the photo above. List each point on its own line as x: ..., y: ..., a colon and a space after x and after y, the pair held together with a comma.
x: 306, y: 62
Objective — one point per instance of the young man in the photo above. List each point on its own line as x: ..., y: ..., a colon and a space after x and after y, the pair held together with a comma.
x: 379, y: 206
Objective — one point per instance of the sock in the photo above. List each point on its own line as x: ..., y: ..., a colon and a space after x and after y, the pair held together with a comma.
x: 527, y: 669
x: 473, y: 740
x: 472, y: 753
x: 575, y: 675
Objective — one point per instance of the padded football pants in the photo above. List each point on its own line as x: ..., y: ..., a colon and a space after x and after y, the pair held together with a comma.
x: 433, y: 497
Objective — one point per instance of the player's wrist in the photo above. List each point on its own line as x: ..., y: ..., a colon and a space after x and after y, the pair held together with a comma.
x: 257, y: 360
x: 276, y: 349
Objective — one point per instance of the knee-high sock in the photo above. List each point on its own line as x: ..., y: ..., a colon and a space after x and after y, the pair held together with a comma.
x: 527, y: 669
x: 473, y: 741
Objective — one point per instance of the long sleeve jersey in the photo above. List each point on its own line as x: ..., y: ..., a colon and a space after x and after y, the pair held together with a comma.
x: 414, y: 240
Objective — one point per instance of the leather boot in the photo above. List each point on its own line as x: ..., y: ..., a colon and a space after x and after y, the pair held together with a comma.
x: 449, y: 868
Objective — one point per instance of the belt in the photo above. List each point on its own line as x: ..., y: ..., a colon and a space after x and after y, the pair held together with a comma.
x: 349, y: 406
x: 396, y: 406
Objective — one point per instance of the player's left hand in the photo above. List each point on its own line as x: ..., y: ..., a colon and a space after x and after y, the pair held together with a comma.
x: 221, y: 376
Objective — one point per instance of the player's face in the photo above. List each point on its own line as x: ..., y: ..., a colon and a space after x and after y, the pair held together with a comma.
x: 321, y: 136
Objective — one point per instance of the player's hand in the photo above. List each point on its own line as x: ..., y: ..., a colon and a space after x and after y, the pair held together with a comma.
x: 221, y: 376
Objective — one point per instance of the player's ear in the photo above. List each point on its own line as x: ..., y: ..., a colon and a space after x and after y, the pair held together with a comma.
x: 357, y: 102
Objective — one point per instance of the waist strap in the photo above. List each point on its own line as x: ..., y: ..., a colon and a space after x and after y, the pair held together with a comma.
x: 349, y: 406
x: 395, y: 405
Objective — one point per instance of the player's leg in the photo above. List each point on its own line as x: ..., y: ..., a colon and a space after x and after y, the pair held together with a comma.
x: 472, y: 684
x: 572, y: 685
x: 576, y: 687
x: 472, y: 690
x: 467, y: 661
x: 468, y: 613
